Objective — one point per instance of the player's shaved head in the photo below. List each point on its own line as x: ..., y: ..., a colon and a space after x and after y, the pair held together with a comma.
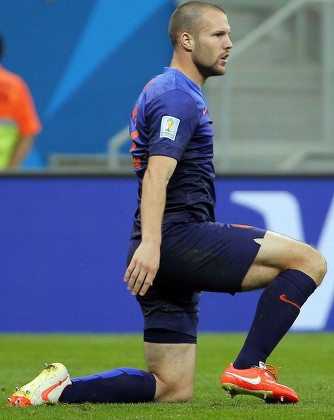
x: 187, y: 18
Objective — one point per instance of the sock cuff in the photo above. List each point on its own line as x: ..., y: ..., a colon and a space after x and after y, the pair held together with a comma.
x: 302, y: 281
x: 150, y: 385
x: 149, y: 382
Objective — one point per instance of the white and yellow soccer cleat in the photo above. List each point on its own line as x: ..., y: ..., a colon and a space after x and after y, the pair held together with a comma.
x: 46, y: 388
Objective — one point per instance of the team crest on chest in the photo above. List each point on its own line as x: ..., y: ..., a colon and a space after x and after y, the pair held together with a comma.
x: 169, y: 126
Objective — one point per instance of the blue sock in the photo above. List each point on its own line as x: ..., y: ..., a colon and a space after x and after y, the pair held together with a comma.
x: 122, y: 385
x: 278, y: 307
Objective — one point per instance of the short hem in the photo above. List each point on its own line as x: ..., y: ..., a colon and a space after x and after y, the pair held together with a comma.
x: 164, y: 336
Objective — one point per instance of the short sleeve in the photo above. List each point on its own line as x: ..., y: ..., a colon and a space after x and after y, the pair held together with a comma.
x: 172, y: 120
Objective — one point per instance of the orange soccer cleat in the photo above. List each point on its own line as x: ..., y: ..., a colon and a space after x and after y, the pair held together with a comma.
x: 259, y: 381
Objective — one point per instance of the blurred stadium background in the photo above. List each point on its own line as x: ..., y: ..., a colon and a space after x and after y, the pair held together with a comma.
x: 65, y: 217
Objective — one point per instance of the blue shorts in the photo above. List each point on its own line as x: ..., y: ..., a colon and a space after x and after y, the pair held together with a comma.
x: 195, y: 257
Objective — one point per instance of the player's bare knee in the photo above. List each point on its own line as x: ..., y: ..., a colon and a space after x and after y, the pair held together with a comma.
x: 182, y: 396
x: 174, y: 392
x: 185, y: 398
x: 315, y: 263
x: 321, y: 265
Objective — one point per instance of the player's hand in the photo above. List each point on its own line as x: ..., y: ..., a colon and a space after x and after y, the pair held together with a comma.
x: 142, y: 269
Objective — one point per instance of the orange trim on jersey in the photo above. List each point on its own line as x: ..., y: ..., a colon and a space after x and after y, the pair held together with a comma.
x: 133, y: 147
x: 134, y: 135
x: 136, y: 162
x: 134, y: 112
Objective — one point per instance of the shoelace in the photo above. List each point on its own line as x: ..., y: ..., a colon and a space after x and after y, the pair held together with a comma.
x: 270, y: 370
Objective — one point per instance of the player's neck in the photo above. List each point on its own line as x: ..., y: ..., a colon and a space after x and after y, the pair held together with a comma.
x: 188, y: 69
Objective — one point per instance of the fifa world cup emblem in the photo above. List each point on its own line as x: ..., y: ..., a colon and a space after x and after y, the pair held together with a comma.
x: 170, y: 124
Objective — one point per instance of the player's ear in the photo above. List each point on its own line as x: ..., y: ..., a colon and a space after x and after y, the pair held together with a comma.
x: 187, y: 41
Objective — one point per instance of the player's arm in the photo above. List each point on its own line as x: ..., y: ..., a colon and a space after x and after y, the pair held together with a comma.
x: 145, y: 262
x: 22, y: 148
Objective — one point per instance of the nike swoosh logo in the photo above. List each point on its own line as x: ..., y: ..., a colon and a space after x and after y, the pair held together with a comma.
x: 45, y: 394
x: 252, y: 381
x: 285, y: 299
x: 205, y: 110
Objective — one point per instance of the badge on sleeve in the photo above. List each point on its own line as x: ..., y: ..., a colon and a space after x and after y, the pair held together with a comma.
x: 169, y: 126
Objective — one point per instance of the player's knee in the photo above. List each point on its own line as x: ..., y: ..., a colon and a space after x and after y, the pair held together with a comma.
x: 316, y: 264
x: 182, y: 396
x: 321, y: 266
x: 174, y: 392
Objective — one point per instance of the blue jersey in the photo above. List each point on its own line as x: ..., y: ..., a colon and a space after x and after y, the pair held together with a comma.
x: 171, y: 119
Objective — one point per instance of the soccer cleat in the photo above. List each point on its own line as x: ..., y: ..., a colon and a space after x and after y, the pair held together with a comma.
x: 260, y: 381
x: 46, y: 388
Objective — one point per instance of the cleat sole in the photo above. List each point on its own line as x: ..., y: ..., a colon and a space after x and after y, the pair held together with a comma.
x: 265, y: 395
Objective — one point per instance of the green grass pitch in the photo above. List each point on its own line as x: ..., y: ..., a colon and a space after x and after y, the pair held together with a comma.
x: 306, y: 361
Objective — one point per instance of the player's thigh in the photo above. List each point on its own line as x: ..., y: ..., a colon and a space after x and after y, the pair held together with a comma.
x: 208, y: 256
x: 174, y: 368
x: 278, y: 253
